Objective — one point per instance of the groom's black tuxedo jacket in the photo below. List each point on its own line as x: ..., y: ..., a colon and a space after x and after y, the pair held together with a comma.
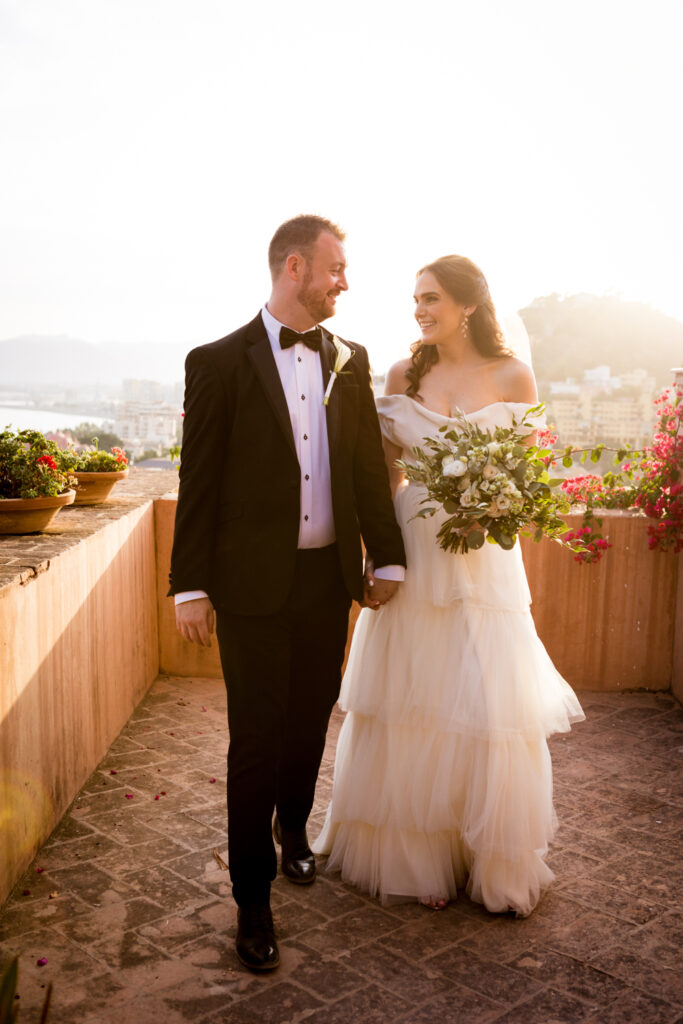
x: 237, y: 521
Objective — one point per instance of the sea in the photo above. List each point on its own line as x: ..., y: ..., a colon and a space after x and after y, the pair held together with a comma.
x: 45, y: 420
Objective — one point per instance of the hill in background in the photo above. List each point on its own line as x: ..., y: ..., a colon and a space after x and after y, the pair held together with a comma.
x: 33, y: 362
x: 569, y: 335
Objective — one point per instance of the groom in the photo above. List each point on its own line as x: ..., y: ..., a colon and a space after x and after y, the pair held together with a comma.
x: 276, y: 489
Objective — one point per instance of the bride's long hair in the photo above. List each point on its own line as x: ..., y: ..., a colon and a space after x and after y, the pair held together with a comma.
x: 464, y: 282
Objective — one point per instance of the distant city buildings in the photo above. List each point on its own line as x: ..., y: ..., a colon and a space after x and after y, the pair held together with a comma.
x: 602, y: 407
x: 149, y: 417
x: 148, y: 426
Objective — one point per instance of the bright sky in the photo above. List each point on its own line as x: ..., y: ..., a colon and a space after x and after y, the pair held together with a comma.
x: 151, y: 147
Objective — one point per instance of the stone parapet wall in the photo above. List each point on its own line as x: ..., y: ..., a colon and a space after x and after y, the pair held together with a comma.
x: 78, y: 651
x: 614, y: 625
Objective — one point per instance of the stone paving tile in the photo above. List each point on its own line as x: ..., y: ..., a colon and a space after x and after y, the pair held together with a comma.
x: 637, y: 1009
x: 371, y: 1005
x: 119, y: 863
x: 353, y: 929
x: 460, y: 1006
x: 326, y: 977
x: 504, y: 984
x: 642, y: 973
x: 587, y: 983
x: 433, y: 933
x: 20, y: 917
x: 549, y: 1006
x: 282, y: 1003
x: 397, y: 973
x: 142, y: 929
x: 98, y: 927
x: 613, y: 900
x: 85, y: 848
x: 81, y: 983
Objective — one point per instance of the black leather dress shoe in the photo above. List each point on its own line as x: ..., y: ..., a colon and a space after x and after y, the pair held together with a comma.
x: 298, y: 862
x: 256, y: 945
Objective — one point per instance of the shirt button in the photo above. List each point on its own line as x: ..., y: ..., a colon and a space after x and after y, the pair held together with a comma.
x: 307, y: 477
x: 303, y: 398
x: 305, y: 437
x: 306, y: 518
x: 298, y: 359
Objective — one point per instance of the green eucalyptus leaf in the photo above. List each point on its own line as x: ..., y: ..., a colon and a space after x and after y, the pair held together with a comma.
x: 506, y: 541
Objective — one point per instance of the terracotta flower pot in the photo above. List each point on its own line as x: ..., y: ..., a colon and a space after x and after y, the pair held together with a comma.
x: 31, y: 515
x: 94, y: 488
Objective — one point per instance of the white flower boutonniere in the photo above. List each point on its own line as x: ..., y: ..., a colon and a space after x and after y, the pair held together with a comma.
x: 344, y: 353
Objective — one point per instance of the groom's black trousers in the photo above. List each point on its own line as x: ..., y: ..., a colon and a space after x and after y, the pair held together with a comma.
x: 283, y: 673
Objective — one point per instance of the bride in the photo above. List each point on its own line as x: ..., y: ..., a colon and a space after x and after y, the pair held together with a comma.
x: 443, y: 777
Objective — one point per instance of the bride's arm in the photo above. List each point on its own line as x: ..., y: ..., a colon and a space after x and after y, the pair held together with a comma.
x: 392, y: 452
x: 395, y: 384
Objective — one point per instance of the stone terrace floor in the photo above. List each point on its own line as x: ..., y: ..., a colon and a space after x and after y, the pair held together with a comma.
x: 132, y: 910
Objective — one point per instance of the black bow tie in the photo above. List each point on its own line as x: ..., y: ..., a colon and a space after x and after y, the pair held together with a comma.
x: 312, y: 339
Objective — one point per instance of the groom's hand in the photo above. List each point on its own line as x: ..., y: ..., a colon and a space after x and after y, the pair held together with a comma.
x: 195, y: 620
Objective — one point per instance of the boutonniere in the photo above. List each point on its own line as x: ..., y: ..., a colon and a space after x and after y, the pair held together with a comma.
x: 344, y: 353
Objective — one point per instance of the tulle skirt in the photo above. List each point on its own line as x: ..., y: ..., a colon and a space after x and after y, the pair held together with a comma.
x: 443, y: 777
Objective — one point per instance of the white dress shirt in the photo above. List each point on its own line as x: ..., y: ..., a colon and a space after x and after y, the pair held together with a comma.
x: 301, y: 375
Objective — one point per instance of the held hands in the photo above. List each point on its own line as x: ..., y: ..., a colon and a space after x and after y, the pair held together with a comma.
x: 195, y: 620
x: 376, y: 592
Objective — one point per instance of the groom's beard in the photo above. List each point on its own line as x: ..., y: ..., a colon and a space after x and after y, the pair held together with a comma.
x: 320, y: 305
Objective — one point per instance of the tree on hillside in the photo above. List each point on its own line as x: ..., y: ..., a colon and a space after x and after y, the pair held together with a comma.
x: 85, y: 432
x: 569, y: 335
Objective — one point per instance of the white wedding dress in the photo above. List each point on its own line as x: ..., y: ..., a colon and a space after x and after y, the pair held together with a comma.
x: 443, y: 776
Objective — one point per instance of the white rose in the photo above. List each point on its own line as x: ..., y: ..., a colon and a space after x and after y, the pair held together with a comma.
x: 467, y: 499
x: 503, y: 503
x: 453, y: 467
x: 489, y: 471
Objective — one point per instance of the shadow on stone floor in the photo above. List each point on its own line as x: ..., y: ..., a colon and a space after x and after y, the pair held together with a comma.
x: 131, y: 909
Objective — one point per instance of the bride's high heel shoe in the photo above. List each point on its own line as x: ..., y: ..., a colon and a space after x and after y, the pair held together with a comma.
x: 434, y: 902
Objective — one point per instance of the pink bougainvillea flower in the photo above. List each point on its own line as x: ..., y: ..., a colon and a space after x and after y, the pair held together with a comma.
x: 212, y: 780
x: 156, y: 797
x: 112, y: 772
x: 39, y: 871
x: 129, y: 796
x: 163, y: 792
x: 26, y: 892
x: 41, y: 961
x: 203, y: 709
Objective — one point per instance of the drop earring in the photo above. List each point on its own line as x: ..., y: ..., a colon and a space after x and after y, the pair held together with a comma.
x: 464, y: 325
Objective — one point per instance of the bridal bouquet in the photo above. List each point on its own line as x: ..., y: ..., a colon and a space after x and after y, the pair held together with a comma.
x: 490, y: 483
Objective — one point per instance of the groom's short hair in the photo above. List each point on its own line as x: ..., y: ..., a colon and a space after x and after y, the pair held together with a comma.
x: 298, y: 234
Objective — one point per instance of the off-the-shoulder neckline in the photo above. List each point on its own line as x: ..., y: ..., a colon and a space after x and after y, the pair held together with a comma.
x: 442, y: 416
